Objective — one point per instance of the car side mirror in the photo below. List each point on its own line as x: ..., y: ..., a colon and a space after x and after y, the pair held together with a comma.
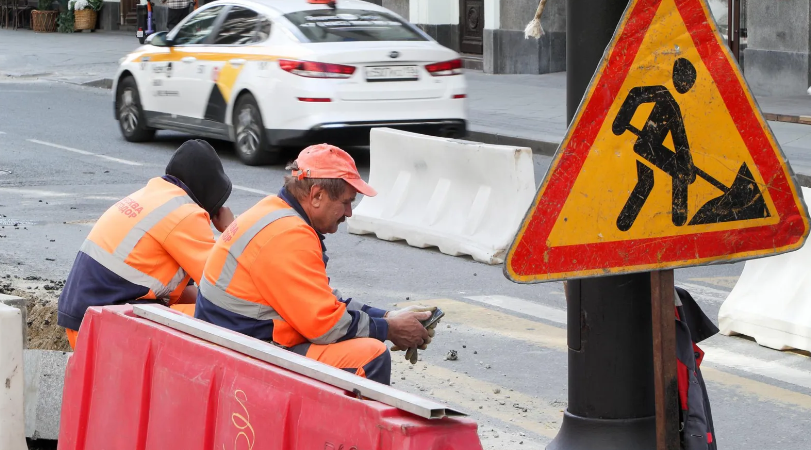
x: 159, y: 39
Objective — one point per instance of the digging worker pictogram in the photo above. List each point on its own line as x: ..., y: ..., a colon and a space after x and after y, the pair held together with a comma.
x: 743, y: 200
x: 664, y: 118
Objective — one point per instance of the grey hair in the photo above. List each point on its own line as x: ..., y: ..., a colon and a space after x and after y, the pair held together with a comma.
x: 300, y: 188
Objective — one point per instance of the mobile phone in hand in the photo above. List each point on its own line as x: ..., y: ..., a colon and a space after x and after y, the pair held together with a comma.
x: 438, y: 314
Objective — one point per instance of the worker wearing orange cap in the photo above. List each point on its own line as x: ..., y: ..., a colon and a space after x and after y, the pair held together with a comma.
x: 266, y: 276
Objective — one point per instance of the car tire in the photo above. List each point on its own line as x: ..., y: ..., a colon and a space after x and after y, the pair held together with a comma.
x: 131, y: 119
x: 251, y: 141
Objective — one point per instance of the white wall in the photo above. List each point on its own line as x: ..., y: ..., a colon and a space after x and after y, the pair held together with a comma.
x: 434, y: 12
x: 492, y: 14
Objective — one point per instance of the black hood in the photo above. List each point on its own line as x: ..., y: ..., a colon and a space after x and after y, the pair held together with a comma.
x: 198, y: 166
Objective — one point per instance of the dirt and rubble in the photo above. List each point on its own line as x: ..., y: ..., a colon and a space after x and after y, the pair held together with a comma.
x: 41, y: 295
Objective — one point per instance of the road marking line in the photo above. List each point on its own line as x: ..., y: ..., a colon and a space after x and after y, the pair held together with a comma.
x: 714, y: 355
x: 523, y: 307
x: 507, y: 325
x: 724, y: 282
x: 769, y: 369
x: 247, y: 189
x: 119, y: 160
x: 763, y: 391
x: 86, y: 153
x: 706, y: 293
x: 36, y: 192
x: 49, y: 144
x: 469, y: 393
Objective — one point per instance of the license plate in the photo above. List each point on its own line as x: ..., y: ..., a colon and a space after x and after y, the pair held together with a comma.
x: 389, y: 73
x: 139, y: 33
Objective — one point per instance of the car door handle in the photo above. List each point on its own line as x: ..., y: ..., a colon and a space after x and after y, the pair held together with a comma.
x: 237, y: 62
x: 189, y: 59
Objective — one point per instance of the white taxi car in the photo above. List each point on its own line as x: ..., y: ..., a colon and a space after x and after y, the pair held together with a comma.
x: 268, y: 74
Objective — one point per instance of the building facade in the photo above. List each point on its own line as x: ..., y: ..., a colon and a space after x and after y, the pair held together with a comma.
x: 490, y: 33
x: 775, y: 35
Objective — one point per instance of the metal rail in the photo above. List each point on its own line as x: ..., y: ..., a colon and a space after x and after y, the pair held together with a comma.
x: 295, y: 363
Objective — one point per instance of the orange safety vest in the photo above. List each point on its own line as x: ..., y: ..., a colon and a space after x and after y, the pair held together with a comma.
x: 266, y: 278
x: 146, y: 247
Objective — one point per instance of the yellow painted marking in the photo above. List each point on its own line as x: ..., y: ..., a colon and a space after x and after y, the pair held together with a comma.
x: 609, y: 174
x: 725, y: 282
x: 542, y: 335
x: 497, y: 322
x: 763, y: 392
x: 470, y: 393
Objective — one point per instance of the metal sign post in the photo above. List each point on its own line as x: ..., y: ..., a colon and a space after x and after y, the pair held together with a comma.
x: 734, y: 28
x: 662, y: 292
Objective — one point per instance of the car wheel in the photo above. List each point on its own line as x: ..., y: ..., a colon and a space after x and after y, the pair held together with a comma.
x: 130, y: 114
x: 251, y: 142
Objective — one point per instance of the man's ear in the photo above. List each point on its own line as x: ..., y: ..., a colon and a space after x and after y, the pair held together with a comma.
x: 316, y: 195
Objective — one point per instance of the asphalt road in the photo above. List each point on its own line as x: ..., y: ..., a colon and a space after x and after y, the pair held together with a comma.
x: 63, y: 162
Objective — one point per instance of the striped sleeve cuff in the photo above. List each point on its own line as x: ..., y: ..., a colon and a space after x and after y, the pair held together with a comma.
x: 378, y: 329
x: 373, y: 312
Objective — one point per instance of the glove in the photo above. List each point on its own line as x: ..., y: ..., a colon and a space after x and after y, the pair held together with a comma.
x: 412, y: 308
x: 411, y: 354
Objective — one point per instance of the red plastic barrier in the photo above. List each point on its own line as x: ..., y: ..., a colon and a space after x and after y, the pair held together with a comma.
x: 135, y: 384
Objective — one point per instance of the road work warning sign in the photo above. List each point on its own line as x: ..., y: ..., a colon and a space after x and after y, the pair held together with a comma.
x: 667, y: 163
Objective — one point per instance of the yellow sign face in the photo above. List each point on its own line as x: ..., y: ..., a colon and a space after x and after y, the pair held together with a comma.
x: 668, y: 162
x: 609, y: 174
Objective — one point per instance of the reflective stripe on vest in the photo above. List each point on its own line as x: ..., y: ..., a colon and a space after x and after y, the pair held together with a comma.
x: 217, y: 293
x: 116, y: 262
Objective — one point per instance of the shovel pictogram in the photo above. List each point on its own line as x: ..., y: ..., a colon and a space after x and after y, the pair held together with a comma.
x: 741, y: 201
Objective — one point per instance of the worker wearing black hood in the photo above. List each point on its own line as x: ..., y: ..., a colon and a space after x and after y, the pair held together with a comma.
x: 148, y: 247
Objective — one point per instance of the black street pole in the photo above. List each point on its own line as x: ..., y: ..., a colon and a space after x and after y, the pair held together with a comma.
x: 611, y: 384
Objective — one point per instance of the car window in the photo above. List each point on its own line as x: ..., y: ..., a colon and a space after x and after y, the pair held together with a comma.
x: 263, y: 32
x: 344, y: 25
x: 239, y: 27
x: 198, y: 27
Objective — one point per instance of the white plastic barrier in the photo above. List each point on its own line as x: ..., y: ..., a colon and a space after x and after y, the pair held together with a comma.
x: 772, y: 300
x: 464, y: 197
x: 12, y: 379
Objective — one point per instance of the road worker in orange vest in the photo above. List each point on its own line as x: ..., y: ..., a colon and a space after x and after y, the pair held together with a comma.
x: 266, y: 276
x: 150, y: 246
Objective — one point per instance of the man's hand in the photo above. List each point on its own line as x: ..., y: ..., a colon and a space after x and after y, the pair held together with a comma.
x: 431, y: 328
x: 223, y: 218
x: 405, y: 329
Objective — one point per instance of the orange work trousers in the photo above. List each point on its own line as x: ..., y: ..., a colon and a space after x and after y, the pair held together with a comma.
x: 365, y: 357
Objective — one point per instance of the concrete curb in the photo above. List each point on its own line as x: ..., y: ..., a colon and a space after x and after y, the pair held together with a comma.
x: 803, y: 120
x: 25, y: 75
x: 103, y: 83
x: 44, y: 382
x: 538, y: 147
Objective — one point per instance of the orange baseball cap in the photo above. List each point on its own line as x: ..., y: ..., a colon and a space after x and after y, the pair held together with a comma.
x: 329, y: 161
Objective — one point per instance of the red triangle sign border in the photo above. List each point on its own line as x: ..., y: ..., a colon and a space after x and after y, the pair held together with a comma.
x: 531, y: 259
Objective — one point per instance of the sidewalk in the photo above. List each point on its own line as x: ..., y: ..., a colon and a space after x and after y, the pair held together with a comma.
x: 76, y: 57
x: 527, y: 110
